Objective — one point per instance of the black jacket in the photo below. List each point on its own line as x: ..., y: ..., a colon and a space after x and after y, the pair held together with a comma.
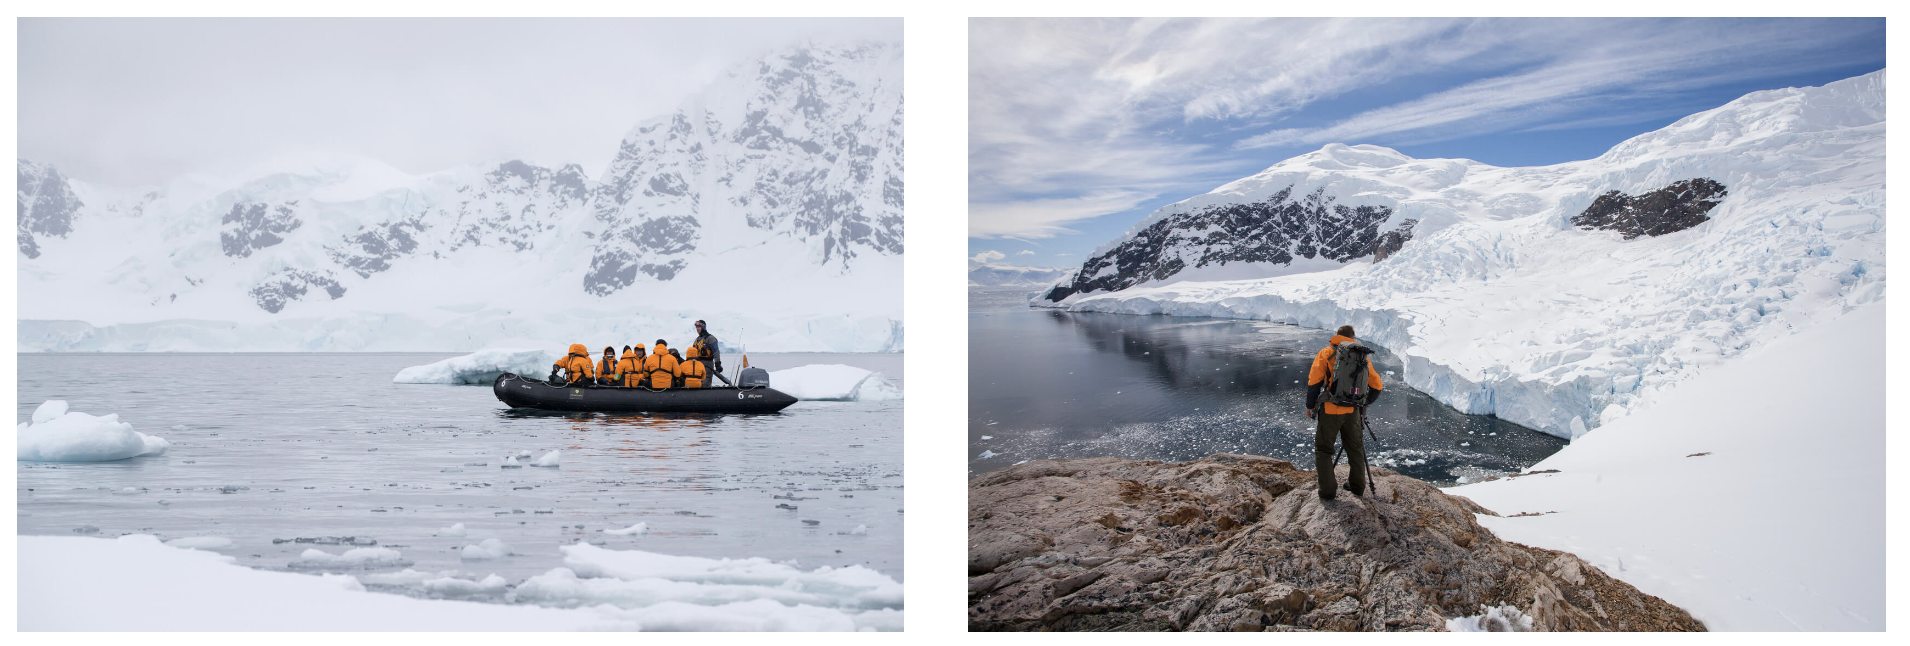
x: 711, y: 352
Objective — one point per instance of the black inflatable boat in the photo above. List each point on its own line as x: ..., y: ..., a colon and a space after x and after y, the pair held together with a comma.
x: 521, y: 392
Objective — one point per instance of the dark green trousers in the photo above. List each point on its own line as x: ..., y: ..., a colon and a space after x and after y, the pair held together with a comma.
x: 1346, y: 429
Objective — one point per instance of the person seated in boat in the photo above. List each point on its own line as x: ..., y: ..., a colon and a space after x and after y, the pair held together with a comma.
x: 576, y: 365
x: 660, y: 366
x: 607, y: 367
x: 692, y: 370
x: 630, y: 367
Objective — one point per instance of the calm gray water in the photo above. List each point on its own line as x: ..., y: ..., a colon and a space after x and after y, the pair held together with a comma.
x: 1052, y: 384
x: 324, y: 445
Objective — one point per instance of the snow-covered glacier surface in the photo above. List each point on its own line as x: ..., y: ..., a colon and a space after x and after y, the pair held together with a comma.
x: 770, y: 205
x: 1501, y: 304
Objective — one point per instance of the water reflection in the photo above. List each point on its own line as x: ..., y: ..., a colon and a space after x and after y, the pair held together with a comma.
x: 1048, y: 383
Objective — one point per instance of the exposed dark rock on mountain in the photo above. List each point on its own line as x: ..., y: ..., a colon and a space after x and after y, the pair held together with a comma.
x: 46, y: 205
x: 292, y: 284
x: 1275, y: 231
x: 1237, y: 542
x: 1390, y: 242
x: 256, y: 225
x: 372, y: 249
x: 1673, y: 208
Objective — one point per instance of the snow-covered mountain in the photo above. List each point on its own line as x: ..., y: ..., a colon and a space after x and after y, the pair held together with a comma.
x: 1558, y: 297
x: 770, y: 205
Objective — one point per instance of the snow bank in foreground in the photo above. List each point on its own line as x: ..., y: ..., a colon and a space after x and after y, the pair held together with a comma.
x: 834, y: 382
x: 1503, y: 619
x: 480, y: 368
x: 148, y: 586
x: 137, y: 583
x: 693, y: 593
x: 1751, y: 496
x: 59, y: 435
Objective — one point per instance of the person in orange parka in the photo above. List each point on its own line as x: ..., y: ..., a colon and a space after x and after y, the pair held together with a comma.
x: 630, y: 367
x: 607, y: 367
x: 576, y: 364
x: 660, y: 366
x: 1336, y: 421
x: 691, y: 369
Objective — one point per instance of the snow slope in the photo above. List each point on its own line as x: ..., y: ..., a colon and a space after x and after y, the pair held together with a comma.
x: 1751, y: 496
x: 137, y: 583
x: 1002, y: 275
x: 753, y: 206
x: 1498, y: 302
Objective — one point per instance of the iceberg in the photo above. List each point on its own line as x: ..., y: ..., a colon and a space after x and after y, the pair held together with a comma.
x: 59, y: 435
x: 479, y: 368
x: 834, y: 382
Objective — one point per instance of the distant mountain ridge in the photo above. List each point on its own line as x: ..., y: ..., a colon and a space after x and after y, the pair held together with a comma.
x: 782, y: 179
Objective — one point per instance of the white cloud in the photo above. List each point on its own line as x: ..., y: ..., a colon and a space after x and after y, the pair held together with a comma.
x: 1024, y: 252
x: 1044, y: 218
x: 987, y: 256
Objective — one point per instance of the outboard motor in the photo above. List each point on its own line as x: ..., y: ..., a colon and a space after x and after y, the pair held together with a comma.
x: 752, y: 378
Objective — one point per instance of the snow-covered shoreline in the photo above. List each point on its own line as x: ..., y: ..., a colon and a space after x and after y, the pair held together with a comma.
x: 136, y: 582
x: 1761, y: 512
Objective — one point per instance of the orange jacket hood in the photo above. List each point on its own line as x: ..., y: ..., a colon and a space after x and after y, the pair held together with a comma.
x: 578, y: 348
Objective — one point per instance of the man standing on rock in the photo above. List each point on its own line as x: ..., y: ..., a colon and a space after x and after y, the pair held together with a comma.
x: 1335, y: 397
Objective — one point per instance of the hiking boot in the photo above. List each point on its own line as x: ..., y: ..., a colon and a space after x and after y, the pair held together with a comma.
x: 1325, y: 497
x: 1356, y: 492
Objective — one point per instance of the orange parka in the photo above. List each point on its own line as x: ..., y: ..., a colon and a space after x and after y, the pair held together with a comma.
x: 577, y: 363
x: 1323, y: 367
x: 691, y: 369
x: 607, y: 366
x: 630, y: 367
x: 660, y: 366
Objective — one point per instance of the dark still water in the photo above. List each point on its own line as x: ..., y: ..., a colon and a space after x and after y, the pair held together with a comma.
x: 274, y: 447
x: 1051, y: 384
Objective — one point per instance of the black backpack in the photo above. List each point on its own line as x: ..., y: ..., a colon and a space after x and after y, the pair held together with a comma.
x: 1346, y: 383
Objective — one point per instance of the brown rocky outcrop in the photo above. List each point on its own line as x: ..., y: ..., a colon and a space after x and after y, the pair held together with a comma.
x: 1239, y: 542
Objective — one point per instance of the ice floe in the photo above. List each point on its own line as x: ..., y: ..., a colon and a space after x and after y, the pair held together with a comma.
x: 454, y: 531
x: 201, y: 542
x: 59, y: 435
x: 489, y: 548
x: 357, y: 557
x: 480, y: 368
x: 547, y: 460
x: 633, y: 530
x: 834, y: 382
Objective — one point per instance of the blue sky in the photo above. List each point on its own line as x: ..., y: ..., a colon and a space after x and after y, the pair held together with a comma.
x: 1078, y: 128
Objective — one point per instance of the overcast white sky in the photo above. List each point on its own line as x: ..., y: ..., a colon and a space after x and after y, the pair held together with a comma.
x: 141, y: 101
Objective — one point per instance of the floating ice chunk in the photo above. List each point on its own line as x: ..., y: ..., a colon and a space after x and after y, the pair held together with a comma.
x: 834, y: 382
x: 454, y: 531
x: 547, y: 460
x: 455, y: 587
x: 490, y: 548
x: 363, y: 556
x: 49, y: 411
x: 408, y: 577
x: 479, y: 368
x: 523, y: 454
x: 510, y: 462
x: 633, y: 530
x: 860, y: 530
x: 201, y: 542
x: 987, y: 454
x: 1503, y: 619
x: 59, y: 435
x: 987, y: 437
x: 635, y: 580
